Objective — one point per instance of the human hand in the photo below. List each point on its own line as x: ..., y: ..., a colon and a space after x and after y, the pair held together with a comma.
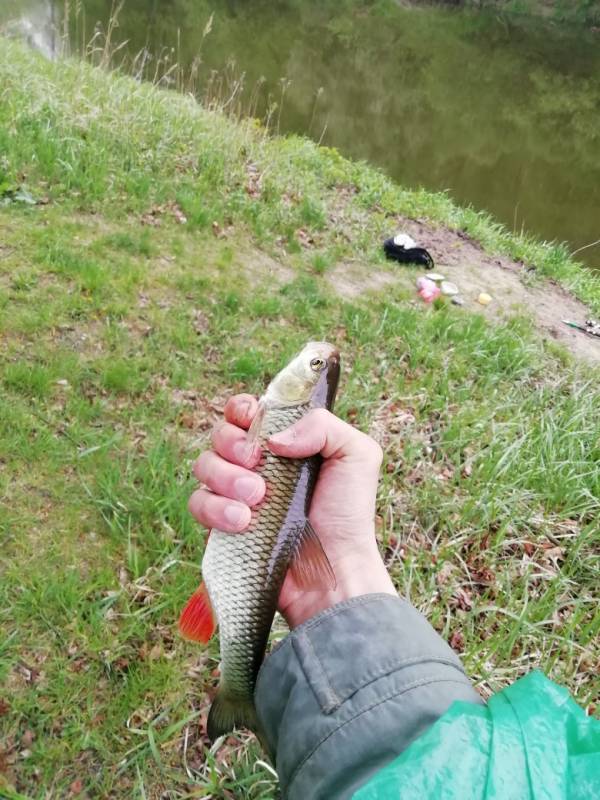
x: 342, y: 511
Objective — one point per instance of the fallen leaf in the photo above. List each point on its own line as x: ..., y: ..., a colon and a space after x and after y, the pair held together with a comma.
x: 415, y: 477
x: 76, y: 787
x: 27, y: 738
x: 200, y: 321
x: 443, y: 576
x: 254, y: 185
x: 156, y: 652
x: 457, y: 641
x: 304, y: 237
x: 184, y: 396
x: 7, y: 776
x: 555, y: 553
x: 482, y: 575
x: 151, y: 220
x: 30, y: 674
x: 463, y: 599
x: 179, y: 215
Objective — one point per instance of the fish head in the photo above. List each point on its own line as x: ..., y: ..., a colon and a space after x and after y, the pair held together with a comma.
x: 311, y: 376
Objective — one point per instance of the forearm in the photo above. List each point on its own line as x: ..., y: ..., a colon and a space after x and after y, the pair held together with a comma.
x: 349, y: 690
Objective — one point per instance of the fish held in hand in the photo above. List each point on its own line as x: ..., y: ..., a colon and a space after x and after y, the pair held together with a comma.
x: 243, y: 574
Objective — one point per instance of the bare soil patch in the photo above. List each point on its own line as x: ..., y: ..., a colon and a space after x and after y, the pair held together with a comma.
x: 349, y: 279
x: 466, y: 264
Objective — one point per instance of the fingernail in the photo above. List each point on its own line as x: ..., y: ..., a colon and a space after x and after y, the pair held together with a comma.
x: 247, y: 489
x: 243, y: 411
x: 284, y: 437
x: 235, y: 515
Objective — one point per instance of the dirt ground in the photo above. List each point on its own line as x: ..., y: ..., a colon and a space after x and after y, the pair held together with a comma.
x: 462, y: 261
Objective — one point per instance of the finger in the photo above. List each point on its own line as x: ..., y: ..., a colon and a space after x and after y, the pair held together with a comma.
x: 229, y: 480
x: 214, y: 511
x: 320, y: 431
x: 229, y: 441
x: 240, y: 410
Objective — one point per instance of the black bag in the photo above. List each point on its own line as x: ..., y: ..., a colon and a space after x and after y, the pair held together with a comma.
x: 407, y: 255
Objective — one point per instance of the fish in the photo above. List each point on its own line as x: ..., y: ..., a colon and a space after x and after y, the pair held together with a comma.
x: 243, y: 574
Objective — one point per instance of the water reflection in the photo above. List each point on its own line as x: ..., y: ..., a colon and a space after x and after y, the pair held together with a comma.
x: 503, y: 115
x: 36, y: 22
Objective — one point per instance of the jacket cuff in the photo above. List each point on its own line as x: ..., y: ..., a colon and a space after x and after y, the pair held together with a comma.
x: 349, y: 690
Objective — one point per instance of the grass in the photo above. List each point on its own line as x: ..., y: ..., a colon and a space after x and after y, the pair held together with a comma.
x: 157, y: 276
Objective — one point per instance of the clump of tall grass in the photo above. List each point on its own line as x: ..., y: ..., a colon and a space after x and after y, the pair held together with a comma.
x: 68, y: 35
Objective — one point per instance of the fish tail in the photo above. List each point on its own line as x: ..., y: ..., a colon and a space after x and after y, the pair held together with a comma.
x: 229, y: 711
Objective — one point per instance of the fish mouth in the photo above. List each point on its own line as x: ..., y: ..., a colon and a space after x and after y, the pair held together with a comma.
x: 323, y: 395
x: 333, y: 364
x: 332, y: 377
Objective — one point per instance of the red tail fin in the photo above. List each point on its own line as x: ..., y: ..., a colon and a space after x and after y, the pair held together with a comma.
x: 197, y: 620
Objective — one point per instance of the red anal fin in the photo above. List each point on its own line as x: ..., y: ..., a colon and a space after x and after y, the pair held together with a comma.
x: 310, y: 565
x: 197, y: 620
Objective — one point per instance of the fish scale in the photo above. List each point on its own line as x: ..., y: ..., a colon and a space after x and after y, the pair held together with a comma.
x: 244, y: 574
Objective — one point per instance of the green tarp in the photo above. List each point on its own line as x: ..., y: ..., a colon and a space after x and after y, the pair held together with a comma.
x: 531, y: 742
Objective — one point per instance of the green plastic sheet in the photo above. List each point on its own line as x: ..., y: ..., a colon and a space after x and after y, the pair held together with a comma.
x: 531, y: 742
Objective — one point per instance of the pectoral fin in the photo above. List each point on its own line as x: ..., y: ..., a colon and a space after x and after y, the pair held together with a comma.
x: 309, y: 563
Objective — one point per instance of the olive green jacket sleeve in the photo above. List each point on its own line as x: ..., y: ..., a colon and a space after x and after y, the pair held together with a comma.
x: 349, y: 690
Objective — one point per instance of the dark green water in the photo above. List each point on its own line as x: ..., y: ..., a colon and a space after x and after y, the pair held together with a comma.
x: 503, y: 115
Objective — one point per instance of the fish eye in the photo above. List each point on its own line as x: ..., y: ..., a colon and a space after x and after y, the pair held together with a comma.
x: 317, y: 364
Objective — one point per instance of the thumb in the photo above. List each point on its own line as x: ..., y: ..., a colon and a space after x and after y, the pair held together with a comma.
x: 322, y: 432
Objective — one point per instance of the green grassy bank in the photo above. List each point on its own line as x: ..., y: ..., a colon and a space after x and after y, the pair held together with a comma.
x: 174, y: 256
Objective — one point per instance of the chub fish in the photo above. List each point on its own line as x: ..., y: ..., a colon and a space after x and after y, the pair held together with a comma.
x: 243, y: 574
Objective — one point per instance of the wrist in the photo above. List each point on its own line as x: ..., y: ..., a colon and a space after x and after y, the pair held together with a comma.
x: 356, y: 574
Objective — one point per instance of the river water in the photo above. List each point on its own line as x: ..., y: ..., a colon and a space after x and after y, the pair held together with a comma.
x: 501, y: 113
